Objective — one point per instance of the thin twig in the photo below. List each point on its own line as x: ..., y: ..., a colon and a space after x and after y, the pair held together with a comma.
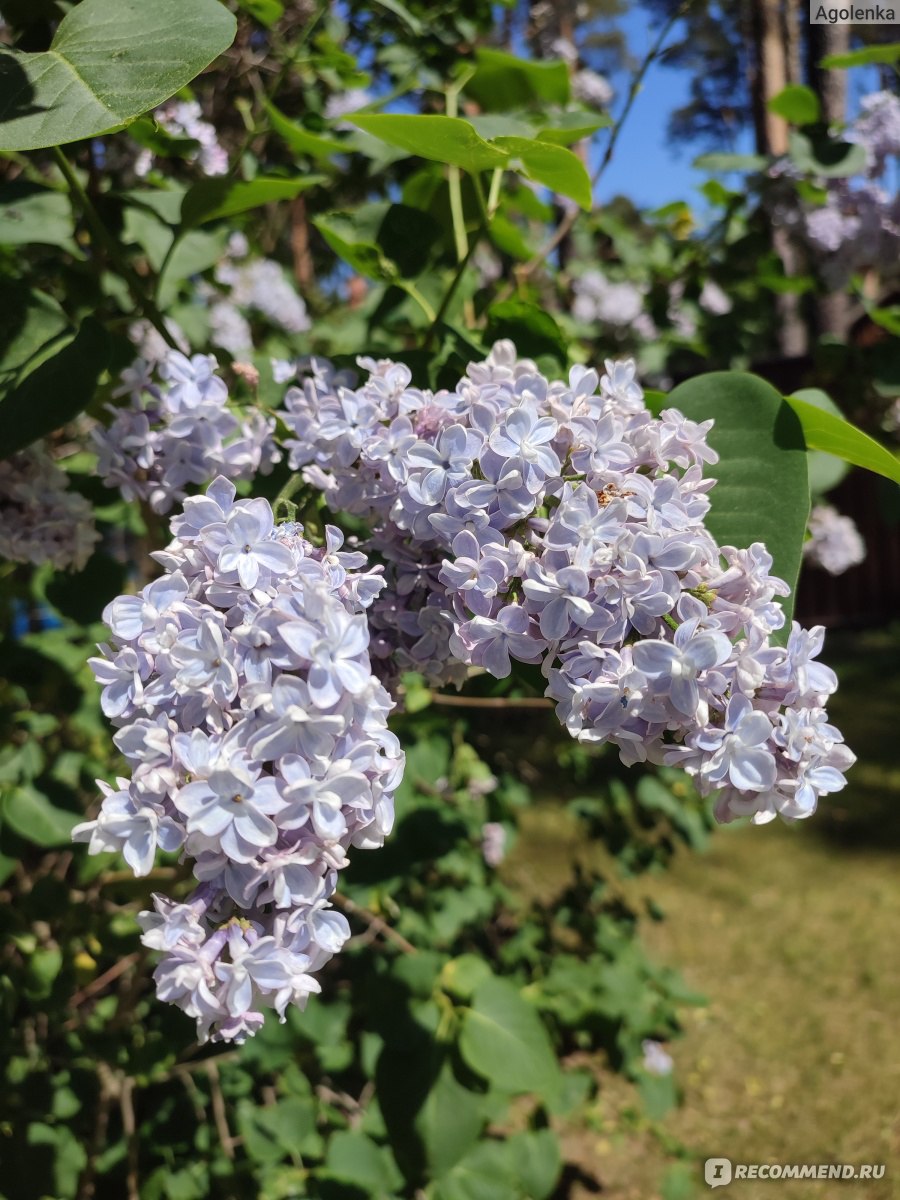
x: 376, y: 924
x: 98, y: 984
x: 104, y: 238
x: 220, y: 1115
x: 129, y: 1128
x: 490, y: 701
x: 88, y: 1181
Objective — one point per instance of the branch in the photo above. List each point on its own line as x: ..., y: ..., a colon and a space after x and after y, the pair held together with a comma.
x: 491, y: 701
x: 376, y: 924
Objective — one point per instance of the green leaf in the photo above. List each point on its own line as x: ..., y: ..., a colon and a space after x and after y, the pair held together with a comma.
x: 824, y: 431
x: 381, y: 241
x: 659, y: 1094
x: 30, y: 322
x: 819, y: 154
x: 31, y: 815
x: 730, y: 162
x: 797, y: 104
x: 537, y: 1160
x: 211, y: 199
x: 56, y: 392
x: 554, y: 166
x: 267, y: 12
x: 442, y: 139
x: 502, y: 81
x: 504, y: 1040
x: 486, y: 1173
x: 572, y: 127
x: 31, y: 214
x: 449, y: 1121
x: 147, y: 132
x: 825, y: 470
x: 412, y: 23
x: 762, y: 493
x: 889, y: 53
x: 109, y: 61
x: 300, y: 140
x: 355, y: 1159
x: 533, y: 330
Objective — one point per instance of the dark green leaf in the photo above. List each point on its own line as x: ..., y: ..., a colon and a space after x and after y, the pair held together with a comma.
x: 442, y: 139
x: 762, y: 493
x: 797, y: 104
x: 502, y: 81
x: 554, y: 166
x: 109, y: 61
x: 56, y: 392
x: 382, y: 241
x: 814, y: 151
x: 34, y: 214
x: 355, y: 1159
x: 504, y: 1040
x: 33, y: 817
x: 824, y: 431
x: 211, y: 199
x: 412, y: 23
x: 300, y: 140
x: 448, y: 1122
x: 532, y: 329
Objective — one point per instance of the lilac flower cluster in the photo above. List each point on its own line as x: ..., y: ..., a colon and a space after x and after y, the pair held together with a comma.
x: 184, y: 118
x: 41, y: 520
x: 560, y: 524
x: 177, y: 431
x: 857, y: 225
x: 257, y: 737
x: 834, y: 542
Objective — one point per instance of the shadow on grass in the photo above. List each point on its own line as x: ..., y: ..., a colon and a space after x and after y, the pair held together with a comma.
x: 866, y: 708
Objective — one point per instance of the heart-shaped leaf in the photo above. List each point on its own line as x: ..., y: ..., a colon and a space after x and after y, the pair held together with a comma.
x: 109, y: 61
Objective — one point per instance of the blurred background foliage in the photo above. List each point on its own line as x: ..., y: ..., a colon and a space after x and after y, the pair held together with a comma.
x: 504, y: 1023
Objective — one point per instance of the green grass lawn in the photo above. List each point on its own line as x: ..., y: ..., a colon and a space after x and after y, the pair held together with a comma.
x: 792, y: 934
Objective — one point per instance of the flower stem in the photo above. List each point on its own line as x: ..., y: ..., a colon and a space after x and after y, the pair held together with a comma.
x: 146, y: 306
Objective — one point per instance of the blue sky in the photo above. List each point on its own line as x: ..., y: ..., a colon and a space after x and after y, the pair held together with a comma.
x: 646, y: 166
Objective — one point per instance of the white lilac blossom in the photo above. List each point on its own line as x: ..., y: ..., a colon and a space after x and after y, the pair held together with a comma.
x: 877, y: 127
x: 597, y: 298
x: 257, y: 738
x: 184, y: 118
x: 559, y: 523
x: 834, y: 542
x: 714, y: 300
x: 656, y: 1060
x: 260, y: 285
x: 493, y: 843
x: 178, y: 431
x: 592, y: 89
x: 41, y: 519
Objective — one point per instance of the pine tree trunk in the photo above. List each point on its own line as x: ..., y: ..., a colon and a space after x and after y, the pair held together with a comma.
x: 833, y: 310
x: 772, y: 56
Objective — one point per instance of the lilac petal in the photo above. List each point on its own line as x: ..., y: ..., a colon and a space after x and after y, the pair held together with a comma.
x: 752, y: 771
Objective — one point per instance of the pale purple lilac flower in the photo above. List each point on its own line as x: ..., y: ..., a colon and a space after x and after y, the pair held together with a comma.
x: 559, y: 523
x: 241, y: 687
x: 178, y: 431
x: 834, y: 543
